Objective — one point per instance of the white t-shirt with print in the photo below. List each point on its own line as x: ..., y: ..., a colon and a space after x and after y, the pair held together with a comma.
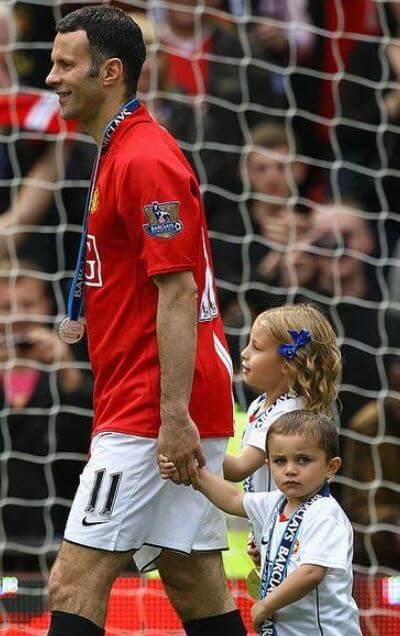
x: 259, y: 420
x: 325, y: 538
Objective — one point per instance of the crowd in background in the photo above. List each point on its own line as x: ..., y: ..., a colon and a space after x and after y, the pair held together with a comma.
x: 289, y: 112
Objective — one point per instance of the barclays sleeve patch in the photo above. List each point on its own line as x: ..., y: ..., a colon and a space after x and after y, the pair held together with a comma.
x: 163, y: 219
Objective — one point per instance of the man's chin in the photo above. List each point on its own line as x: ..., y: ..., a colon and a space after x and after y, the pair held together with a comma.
x: 66, y: 114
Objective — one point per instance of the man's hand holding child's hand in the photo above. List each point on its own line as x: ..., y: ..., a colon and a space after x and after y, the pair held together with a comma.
x: 168, y: 470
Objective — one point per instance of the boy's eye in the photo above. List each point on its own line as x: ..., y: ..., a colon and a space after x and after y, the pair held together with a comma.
x: 279, y: 460
x: 304, y: 460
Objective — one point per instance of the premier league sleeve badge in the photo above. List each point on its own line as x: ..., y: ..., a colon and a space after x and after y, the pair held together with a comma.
x: 163, y: 219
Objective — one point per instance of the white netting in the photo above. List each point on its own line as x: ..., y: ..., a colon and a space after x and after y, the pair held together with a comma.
x: 305, y: 207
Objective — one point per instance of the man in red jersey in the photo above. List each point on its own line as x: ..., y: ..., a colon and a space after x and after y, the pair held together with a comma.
x: 161, y: 368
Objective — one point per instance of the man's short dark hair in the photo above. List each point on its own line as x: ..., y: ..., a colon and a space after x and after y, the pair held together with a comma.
x: 312, y: 426
x: 111, y: 33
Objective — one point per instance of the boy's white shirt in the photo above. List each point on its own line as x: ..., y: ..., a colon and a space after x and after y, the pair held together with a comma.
x: 325, y: 538
x: 256, y: 431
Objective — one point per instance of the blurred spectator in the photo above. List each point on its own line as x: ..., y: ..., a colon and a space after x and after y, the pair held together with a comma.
x: 249, y: 239
x: 340, y: 238
x: 282, y: 34
x: 165, y: 101
x: 45, y: 414
x: 369, y: 96
x: 35, y: 23
x: 275, y: 177
x: 283, y: 37
x: 376, y: 440
x: 331, y: 262
x: 37, y: 164
x: 343, y: 25
x: 272, y: 179
x: 204, y: 63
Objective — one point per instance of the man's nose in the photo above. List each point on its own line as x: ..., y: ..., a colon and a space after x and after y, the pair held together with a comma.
x: 51, y: 79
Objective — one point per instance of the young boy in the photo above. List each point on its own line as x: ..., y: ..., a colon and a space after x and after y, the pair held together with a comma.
x: 307, y: 540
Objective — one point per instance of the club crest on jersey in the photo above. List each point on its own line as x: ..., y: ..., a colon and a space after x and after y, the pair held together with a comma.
x: 163, y: 219
x: 94, y: 204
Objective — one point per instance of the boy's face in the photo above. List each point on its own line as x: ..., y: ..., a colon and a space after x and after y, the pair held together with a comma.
x: 299, y: 467
x: 263, y: 367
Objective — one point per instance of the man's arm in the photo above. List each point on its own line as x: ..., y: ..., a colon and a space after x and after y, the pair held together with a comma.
x: 177, y: 314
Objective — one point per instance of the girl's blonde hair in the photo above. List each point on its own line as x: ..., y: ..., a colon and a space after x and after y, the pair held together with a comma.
x: 314, y: 373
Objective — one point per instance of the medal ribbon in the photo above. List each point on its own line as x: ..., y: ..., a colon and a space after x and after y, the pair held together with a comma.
x: 274, y: 575
x: 75, y: 299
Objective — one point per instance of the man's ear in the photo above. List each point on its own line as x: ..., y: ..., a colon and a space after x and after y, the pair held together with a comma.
x: 333, y: 466
x: 112, y: 71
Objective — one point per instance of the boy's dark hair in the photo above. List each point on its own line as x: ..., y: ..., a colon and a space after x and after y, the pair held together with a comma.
x: 111, y: 33
x: 312, y: 426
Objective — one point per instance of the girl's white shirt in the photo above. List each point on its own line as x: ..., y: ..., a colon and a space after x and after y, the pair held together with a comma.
x: 259, y: 419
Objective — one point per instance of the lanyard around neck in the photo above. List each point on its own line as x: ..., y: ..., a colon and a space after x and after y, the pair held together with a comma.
x: 274, y: 575
x: 75, y: 299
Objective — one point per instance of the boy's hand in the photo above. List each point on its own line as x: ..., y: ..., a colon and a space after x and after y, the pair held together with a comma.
x: 195, y: 476
x: 259, y: 613
x: 252, y: 550
x: 167, y: 468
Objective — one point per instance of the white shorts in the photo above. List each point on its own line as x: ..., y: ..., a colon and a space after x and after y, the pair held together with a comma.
x: 123, y: 504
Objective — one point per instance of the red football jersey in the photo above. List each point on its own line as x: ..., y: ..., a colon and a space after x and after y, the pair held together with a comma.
x: 146, y: 218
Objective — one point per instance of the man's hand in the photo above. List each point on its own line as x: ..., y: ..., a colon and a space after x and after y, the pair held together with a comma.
x: 180, y: 442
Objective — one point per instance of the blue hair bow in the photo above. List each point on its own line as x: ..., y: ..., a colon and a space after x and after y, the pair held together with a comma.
x: 300, y: 339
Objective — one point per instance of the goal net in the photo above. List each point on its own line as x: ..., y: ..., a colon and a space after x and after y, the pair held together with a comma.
x: 288, y: 112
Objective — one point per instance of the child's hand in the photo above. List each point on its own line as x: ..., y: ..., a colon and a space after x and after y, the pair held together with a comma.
x: 252, y: 550
x: 167, y: 468
x: 259, y: 613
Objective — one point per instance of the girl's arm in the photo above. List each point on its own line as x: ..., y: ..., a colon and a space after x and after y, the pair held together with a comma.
x: 223, y: 495
x: 299, y: 583
x: 238, y: 467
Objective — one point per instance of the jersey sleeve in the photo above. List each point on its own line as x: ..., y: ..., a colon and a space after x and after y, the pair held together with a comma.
x: 325, y: 539
x: 259, y: 506
x: 160, y: 205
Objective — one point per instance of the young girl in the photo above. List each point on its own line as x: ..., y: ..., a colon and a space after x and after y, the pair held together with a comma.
x: 293, y: 359
x: 307, y: 540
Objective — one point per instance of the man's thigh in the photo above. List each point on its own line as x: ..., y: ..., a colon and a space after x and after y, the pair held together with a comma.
x: 196, y: 584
